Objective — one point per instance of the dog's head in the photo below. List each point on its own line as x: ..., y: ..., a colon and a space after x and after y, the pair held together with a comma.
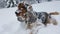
x: 22, y: 9
x: 20, y: 13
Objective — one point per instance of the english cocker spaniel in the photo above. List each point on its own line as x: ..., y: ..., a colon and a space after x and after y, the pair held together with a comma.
x: 33, y: 19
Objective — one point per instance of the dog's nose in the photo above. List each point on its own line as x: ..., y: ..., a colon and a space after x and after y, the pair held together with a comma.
x: 16, y: 13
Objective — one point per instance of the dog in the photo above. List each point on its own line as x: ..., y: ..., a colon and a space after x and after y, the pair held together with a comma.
x: 26, y: 14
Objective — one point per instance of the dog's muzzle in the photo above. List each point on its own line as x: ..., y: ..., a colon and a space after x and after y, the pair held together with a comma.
x: 19, y: 18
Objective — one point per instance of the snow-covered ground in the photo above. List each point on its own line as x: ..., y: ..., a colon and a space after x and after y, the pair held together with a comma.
x: 10, y: 25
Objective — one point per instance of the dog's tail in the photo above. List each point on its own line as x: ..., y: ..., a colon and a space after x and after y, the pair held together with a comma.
x: 54, y: 13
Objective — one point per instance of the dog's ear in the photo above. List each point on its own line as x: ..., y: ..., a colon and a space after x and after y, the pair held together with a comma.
x: 30, y: 7
x: 20, y: 5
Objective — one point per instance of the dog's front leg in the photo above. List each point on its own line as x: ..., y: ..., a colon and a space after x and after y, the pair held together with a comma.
x: 33, y: 31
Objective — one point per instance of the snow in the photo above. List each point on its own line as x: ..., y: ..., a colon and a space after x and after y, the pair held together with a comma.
x: 47, y: 6
x: 10, y: 25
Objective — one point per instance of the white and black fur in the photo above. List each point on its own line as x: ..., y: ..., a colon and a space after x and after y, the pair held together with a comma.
x: 31, y: 21
x: 43, y: 16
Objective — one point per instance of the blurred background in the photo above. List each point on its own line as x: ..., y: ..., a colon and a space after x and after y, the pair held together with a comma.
x: 14, y: 3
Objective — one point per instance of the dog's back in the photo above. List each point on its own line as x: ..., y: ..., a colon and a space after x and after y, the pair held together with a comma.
x: 43, y: 16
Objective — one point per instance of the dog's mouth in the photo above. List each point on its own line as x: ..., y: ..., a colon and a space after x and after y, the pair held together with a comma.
x: 20, y: 18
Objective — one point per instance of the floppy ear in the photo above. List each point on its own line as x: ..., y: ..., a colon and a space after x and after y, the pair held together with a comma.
x: 29, y: 8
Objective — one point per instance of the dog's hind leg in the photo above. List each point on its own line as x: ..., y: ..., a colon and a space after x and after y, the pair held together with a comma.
x: 54, y: 21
